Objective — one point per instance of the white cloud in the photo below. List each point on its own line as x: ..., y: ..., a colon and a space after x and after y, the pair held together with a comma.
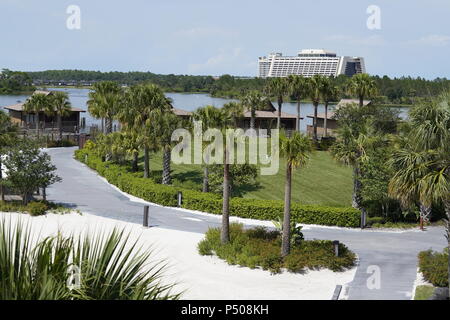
x: 434, y: 40
x: 225, y: 61
x: 204, y: 32
x: 373, y: 40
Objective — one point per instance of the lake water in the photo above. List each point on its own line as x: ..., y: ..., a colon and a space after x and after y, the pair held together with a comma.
x: 184, y: 101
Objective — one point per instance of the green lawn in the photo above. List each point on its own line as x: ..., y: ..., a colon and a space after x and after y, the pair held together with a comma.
x: 323, y: 181
x: 423, y: 292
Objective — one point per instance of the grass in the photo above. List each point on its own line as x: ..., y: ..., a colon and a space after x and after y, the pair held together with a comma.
x: 323, y: 181
x: 260, y: 248
x: 34, y: 208
x: 423, y: 292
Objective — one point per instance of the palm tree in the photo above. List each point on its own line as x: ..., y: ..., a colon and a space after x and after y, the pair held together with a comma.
x: 235, y: 110
x: 136, y: 114
x: 298, y: 86
x: 163, y: 125
x: 253, y: 101
x: 295, y: 150
x: 278, y: 87
x: 104, y: 102
x: 210, y: 117
x: 7, y: 138
x: 36, y: 104
x: 362, y: 86
x: 60, y: 106
x: 315, y: 93
x: 329, y: 93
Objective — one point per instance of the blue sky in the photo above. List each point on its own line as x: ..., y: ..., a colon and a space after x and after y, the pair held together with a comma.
x: 217, y: 37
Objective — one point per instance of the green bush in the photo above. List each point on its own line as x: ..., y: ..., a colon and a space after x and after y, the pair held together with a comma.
x: 62, y: 143
x: 259, y: 247
x: 148, y: 190
x: 37, y: 208
x: 434, y: 267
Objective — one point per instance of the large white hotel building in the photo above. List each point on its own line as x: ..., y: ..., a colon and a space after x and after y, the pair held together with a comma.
x: 308, y: 63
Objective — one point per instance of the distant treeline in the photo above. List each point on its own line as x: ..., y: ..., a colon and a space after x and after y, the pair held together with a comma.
x: 402, y: 90
x: 12, y: 82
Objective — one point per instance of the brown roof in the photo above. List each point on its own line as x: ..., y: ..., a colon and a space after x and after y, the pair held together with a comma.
x: 19, y: 107
x: 270, y: 115
x: 321, y: 115
x: 180, y: 112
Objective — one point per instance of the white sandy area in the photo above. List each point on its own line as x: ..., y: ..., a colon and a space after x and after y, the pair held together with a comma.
x: 198, y: 276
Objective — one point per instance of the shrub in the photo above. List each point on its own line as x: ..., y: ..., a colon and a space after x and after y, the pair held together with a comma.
x: 434, y: 267
x: 62, y: 143
x: 37, y: 208
x: 260, y: 247
x: 148, y: 190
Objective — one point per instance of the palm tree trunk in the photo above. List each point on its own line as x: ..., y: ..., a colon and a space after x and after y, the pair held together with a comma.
x: 447, y: 212
x: 225, y: 232
x: 205, y: 178
x: 325, y: 120
x: 60, y: 127
x: 286, y: 233
x: 315, y: 121
x: 252, y: 119
x: 146, y: 162
x: 298, y: 115
x: 361, y: 101
x: 109, y: 125
x: 2, y: 192
x: 103, y: 125
x: 280, y: 104
x: 134, y: 163
x: 356, y: 196
x: 166, y: 178
x: 37, y: 124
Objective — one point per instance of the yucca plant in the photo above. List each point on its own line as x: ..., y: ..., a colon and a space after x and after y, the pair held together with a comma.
x: 109, y: 267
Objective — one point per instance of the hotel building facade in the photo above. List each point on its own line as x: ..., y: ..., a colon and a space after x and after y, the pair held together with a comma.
x: 308, y: 63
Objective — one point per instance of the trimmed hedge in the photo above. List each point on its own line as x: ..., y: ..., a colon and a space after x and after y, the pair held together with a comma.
x: 434, y: 267
x: 164, y: 195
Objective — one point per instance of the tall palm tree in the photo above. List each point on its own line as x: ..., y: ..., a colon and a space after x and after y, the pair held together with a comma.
x: 315, y: 93
x: 298, y: 87
x: 278, y: 87
x: 36, y: 104
x: 235, y: 110
x: 363, y: 87
x: 7, y: 138
x: 60, y: 107
x: 329, y: 93
x: 104, y: 102
x: 295, y: 150
x: 253, y: 101
x: 163, y: 125
x: 136, y: 113
x: 210, y: 117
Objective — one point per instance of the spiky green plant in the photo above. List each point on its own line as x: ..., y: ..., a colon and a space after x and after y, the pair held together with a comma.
x: 110, y: 267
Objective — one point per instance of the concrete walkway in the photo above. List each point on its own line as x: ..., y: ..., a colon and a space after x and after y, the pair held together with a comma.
x: 393, y: 254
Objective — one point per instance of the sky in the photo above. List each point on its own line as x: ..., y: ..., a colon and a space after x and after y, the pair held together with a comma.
x: 199, y: 37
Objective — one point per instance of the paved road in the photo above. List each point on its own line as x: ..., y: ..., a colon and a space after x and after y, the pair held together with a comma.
x: 394, y: 254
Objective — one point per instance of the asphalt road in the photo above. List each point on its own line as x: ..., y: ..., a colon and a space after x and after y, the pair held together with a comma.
x: 387, y: 260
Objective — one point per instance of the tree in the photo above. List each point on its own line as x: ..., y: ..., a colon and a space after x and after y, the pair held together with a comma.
x: 235, y: 110
x: 298, y: 87
x: 8, y: 138
x: 357, y: 136
x: 253, y: 101
x: 36, y: 104
x: 139, y: 103
x: 104, y: 102
x: 295, y: 150
x: 210, y: 117
x: 329, y: 93
x: 278, y: 87
x: 315, y: 85
x: 362, y: 86
x: 60, y: 106
x: 28, y: 169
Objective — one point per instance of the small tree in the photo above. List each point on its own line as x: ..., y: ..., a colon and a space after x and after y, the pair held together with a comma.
x: 29, y: 169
